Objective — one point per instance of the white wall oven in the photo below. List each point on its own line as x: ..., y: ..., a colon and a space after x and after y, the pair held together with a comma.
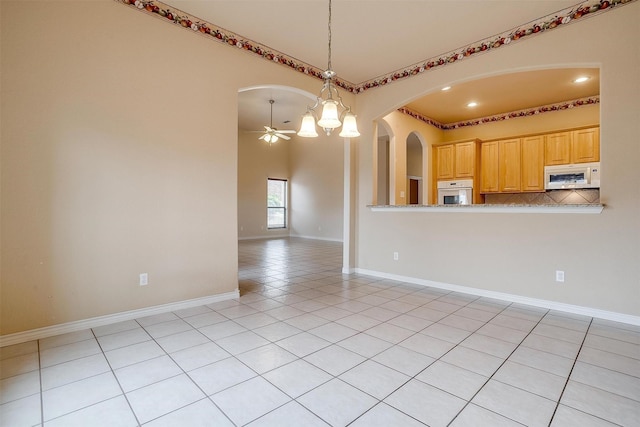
x: 455, y: 192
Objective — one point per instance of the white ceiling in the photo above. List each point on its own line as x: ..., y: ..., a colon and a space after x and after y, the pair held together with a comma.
x: 371, y: 38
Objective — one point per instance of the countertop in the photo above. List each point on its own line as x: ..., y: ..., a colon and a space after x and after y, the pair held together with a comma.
x: 484, y: 208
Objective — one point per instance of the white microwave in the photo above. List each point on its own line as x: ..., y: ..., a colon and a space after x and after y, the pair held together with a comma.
x: 579, y: 175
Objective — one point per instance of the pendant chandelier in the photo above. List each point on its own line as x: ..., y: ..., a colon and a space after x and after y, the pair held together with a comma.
x: 330, y: 118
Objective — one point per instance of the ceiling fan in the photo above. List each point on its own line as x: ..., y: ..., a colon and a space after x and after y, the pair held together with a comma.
x: 272, y: 134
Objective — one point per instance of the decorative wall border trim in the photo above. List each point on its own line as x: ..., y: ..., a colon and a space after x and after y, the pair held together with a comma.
x: 550, y: 22
x: 94, y: 322
x: 504, y: 116
x: 517, y: 299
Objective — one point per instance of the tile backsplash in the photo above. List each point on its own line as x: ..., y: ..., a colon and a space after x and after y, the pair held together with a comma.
x: 553, y: 197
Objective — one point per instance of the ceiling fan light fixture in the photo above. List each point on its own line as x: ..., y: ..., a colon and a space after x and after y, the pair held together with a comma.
x: 331, y: 116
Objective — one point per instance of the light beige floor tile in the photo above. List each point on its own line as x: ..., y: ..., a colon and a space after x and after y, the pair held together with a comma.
x: 192, y: 311
x: 201, y: 413
x: 542, y: 360
x: 306, y: 321
x: 374, y: 379
x: 182, y: 340
x: 198, y: 356
x: 365, y: 345
x: 383, y: 415
x: 221, y: 330
x: 68, y: 352
x: 475, y: 416
x: 303, y: 344
x: 19, y: 365
x: 18, y: 349
x: 403, y: 360
x: 333, y: 332
x: 19, y: 386
x: 266, y: 358
x: 78, y: 369
x: 516, y: 404
x: 291, y: 414
x: 390, y: 333
x: 263, y: 398
x: 115, y: 327
x: 615, y: 362
x: 429, y: 346
x: 163, y: 397
x: 221, y: 375
x: 489, y: 345
x: 156, y: 318
x: 63, y: 339
x: 602, y: 404
x: 129, y: 355
x: 22, y: 412
x: 337, y: 403
x: 335, y: 359
x: 108, y: 413
x: 569, y: 417
x: 297, y: 378
x: 606, y: 379
x: 277, y: 331
x: 427, y: 404
x: 142, y: 374
x: 532, y: 380
x: 123, y: 339
x: 446, y: 333
x: 559, y: 333
x: 473, y: 360
x: 159, y: 330
x: 453, y: 379
x: 80, y: 394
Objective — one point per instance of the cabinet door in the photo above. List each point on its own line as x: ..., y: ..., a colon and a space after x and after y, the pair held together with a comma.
x: 465, y: 163
x: 489, y: 167
x: 533, y: 163
x: 509, y: 157
x: 585, y: 145
x: 444, y: 162
x: 557, y: 149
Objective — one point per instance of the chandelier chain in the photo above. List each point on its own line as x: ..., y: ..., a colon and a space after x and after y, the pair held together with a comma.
x: 329, y: 50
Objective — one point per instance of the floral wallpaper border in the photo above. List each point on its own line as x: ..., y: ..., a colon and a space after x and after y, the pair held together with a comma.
x: 504, y: 116
x: 548, y: 23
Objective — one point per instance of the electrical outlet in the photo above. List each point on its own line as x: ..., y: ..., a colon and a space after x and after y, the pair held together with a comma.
x: 144, y: 279
x: 395, y: 256
x: 559, y: 276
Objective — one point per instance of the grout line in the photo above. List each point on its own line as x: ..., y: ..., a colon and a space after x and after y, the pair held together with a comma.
x: 570, y: 372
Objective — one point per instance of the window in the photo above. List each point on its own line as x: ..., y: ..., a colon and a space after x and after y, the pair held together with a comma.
x: 276, y: 203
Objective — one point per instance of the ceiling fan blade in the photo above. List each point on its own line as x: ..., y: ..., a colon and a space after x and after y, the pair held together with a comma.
x: 279, y: 135
x: 286, y: 131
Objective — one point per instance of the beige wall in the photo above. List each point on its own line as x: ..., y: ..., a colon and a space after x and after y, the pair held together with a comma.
x: 518, y: 254
x: 258, y: 161
x: 119, y: 157
x: 317, y: 187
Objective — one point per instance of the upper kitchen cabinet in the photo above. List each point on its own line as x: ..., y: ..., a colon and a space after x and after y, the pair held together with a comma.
x: 509, y: 165
x: 585, y: 145
x: 444, y: 162
x: 489, y: 172
x: 578, y: 146
x: 557, y: 149
x: 466, y: 159
x: 532, y: 149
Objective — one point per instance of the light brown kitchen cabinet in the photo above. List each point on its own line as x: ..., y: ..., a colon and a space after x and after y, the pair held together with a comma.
x: 585, y: 145
x: 509, y: 165
x: 557, y: 149
x: 532, y: 149
x: 465, y: 163
x: 444, y: 158
x: 489, y: 175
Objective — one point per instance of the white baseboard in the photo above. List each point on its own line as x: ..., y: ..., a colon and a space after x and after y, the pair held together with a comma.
x: 79, y: 325
x: 552, y: 305
x: 348, y: 270
x: 327, y: 239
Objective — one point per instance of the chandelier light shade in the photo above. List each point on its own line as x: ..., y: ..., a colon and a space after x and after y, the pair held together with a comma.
x: 334, y: 112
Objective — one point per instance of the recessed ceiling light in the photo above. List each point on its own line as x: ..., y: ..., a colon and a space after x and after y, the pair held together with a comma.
x: 446, y: 88
x: 472, y: 104
x: 581, y: 79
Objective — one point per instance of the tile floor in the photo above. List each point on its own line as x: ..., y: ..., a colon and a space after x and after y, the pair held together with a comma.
x: 308, y: 346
